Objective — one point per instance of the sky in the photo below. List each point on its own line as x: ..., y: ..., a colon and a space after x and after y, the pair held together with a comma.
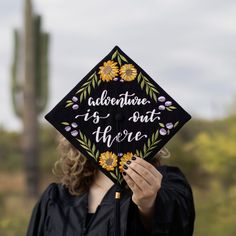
x: 186, y: 46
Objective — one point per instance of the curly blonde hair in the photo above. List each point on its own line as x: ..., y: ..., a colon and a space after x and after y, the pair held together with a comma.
x: 77, y: 173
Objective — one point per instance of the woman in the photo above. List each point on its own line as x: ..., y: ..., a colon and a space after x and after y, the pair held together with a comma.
x: 157, y: 199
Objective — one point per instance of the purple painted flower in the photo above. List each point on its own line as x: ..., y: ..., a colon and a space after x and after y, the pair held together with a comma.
x: 163, y: 132
x: 67, y: 128
x: 75, y: 106
x: 161, y: 99
x: 75, y: 99
x: 74, y: 133
x: 169, y: 125
x: 168, y: 103
x: 74, y: 125
x: 115, y: 79
x: 161, y: 107
x: 121, y: 80
x: 120, y: 154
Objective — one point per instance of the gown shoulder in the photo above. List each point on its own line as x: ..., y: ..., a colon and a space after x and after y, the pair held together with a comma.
x: 36, y: 223
x: 174, y: 206
x: 175, y: 212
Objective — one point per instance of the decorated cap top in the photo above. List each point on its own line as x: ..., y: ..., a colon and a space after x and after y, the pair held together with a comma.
x: 116, y: 111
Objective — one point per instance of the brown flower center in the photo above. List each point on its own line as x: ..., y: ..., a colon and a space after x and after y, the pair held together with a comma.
x: 109, y: 161
x: 128, y: 72
x: 107, y: 70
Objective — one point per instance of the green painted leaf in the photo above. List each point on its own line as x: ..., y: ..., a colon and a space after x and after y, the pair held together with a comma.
x: 156, y: 134
x: 144, y: 148
x: 119, y: 60
x: 150, y: 93
x: 117, y: 171
x: 113, y: 175
x: 162, y: 125
x: 97, y: 154
x: 176, y: 124
x: 150, y: 84
x: 69, y: 104
x: 114, y: 55
x: 90, y: 154
x: 153, y: 137
x: 89, y: 143
x: 90, y: 77
x: 147, y: 154
x: 89, y: 89
x: 145, y: 78
x: 142, y: 84
x: 168, y: 109
x: 152, y: 147
x: 80, y: 90
x: 99, y: 82
x: 139, y: 76
x: 93, y: 83
x: 86, y: 83
x: 85, y: 94
x: 172, y: 107
x: 147, y: 90
x: 81, y: 97
x: 85, y: 147
x: 93, y: 148
x: 149, y: 143
x: 137, y: 152
x: 154, y: 97
x: 68, y: 101
x: 153, y: 89
x: 95, y: 77
x: 64, y: 123
x: 81, y: 141
x: 123, y: 58
x: 85, y: 139
x: 81, y: 135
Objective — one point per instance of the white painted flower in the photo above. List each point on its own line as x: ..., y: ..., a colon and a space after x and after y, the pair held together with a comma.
x: 75, y: 106
x: 74, y: 125
x: 168, y: 103
x: 161, y: 107
x: 161, y: 99
x: 163, y: 132
x: 75, y: 99
x: 169, y: 125
x: 74, y: 133
x: 67, y: 128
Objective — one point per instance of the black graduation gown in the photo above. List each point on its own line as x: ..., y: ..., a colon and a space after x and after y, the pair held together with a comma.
x: 57, y: 213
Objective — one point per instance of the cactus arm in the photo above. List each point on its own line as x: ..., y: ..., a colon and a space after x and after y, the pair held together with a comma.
x: 41, y: 65
x: 44, y: 71
x: 15, y: 84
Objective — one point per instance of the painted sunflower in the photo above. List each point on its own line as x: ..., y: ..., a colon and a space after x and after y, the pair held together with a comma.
x: 108, y: 71
x: 128, y: 72
x: 126, y: 157
x: 108, y: 160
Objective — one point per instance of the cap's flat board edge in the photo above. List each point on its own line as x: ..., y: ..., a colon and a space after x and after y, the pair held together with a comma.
x: 49, y: 115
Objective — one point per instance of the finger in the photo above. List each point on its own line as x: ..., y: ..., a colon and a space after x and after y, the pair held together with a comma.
x: 147, y: 165
x: 138, y: 180
x: 135, y: 189
x: 143, y: 172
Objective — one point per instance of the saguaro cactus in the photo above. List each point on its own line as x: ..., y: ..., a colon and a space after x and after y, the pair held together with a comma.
x: 30, y: 88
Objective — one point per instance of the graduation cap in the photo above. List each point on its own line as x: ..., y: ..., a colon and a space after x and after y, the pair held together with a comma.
x: 116, y: 111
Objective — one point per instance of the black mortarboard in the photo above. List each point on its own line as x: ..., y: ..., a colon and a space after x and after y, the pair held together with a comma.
x: 116, y: 111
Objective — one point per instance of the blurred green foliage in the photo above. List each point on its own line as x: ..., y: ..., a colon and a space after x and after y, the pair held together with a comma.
x: 204, y: 150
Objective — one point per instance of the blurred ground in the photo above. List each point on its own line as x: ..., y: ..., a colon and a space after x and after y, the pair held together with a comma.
x: 204, y: 150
